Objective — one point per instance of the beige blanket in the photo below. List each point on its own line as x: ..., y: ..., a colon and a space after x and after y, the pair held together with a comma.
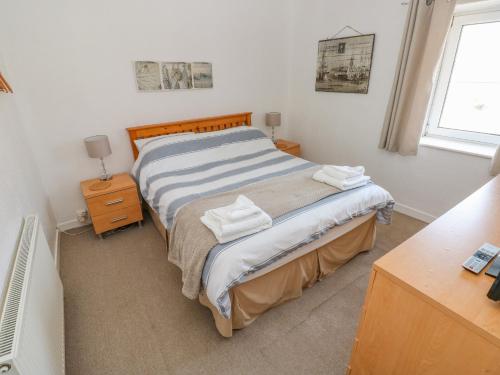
x: 191, y: 241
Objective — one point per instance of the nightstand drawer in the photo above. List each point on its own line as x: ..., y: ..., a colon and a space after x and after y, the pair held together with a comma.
x: 107, y: 203
x: 117, y: 218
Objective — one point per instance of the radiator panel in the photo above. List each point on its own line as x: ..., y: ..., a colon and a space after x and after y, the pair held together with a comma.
x: 38, y: 342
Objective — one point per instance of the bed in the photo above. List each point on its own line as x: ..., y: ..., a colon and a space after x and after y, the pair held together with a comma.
x: 184, y: 168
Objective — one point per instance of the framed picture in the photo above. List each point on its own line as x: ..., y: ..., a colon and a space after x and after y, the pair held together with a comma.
x: 147, y: 74
x: 344, y: 64
x: 176, y: 75
x: 156, y: 76
x: 202, y: 75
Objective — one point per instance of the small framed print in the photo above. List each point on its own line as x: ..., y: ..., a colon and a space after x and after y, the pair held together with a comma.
x: 147, y: 74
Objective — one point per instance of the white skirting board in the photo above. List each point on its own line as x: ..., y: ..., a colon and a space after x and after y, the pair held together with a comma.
x: 413, y: 212
x: 70, y: 224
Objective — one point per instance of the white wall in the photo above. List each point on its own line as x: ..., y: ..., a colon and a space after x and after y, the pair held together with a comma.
x: 345, y: 128
x: 71, y: 63
x: 71, y: 66
x: 21, y: 189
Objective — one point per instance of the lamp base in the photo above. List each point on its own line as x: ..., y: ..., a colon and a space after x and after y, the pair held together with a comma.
x: 101, y: 185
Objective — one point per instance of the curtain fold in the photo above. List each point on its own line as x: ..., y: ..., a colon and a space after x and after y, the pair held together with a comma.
x: 427, y: 25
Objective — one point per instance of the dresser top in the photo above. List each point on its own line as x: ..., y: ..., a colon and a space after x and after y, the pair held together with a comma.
x: 284, y: 144
x: 430, y: 262
x: 119, y: 182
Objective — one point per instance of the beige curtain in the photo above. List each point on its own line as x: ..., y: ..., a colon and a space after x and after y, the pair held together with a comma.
x: 425, y: 32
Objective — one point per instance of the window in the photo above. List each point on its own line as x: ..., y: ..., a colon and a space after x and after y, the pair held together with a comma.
x: 466, y: 102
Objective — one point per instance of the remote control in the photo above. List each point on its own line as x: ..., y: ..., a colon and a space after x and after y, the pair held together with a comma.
x: 481, y: 258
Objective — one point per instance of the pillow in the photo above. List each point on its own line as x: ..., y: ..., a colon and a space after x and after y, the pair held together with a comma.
x: 141, y: 142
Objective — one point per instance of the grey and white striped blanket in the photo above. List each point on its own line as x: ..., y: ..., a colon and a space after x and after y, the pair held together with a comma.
x: 174, y: 171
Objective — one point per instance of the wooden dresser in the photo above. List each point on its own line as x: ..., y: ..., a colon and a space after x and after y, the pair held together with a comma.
x: 115, y: 206
x: 425, y: 314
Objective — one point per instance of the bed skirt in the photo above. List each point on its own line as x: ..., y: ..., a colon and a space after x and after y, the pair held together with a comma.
x: 285, y: 282
x: 254, y: 297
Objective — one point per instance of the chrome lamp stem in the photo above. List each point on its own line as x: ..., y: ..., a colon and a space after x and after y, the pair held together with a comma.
x: 104, y: 176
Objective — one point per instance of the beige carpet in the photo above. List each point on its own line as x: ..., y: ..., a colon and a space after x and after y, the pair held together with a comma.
x: 125, y: 313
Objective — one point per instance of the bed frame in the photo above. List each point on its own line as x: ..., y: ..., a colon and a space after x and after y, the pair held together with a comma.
x: 200, y: 125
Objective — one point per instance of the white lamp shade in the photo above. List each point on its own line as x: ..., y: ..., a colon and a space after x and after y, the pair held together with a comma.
x: 273, y: 119
x: 97, y: 146
x: 495, y: 163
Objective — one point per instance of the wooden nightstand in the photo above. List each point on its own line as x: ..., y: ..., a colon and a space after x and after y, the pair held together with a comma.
x: 288, y: 146
x: 115, y: 206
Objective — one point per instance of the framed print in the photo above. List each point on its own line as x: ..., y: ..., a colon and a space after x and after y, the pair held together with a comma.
x: 344, y: 64
x: 202, y: 75
x: 147, y: 74
x: 168, y: 76
x: 176, y: 75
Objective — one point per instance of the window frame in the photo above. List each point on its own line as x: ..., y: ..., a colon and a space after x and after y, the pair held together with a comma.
x: 444, y: 76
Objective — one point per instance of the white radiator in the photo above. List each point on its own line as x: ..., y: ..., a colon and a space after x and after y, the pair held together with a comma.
x: 32, y: 320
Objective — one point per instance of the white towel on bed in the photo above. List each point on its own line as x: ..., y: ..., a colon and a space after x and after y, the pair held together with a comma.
x: 345, y: 184
x: 237, y: 220
x: 342, y: 172
x: 240, y: 209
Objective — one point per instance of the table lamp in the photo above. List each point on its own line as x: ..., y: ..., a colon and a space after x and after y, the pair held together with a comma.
x: 98, y: 147
x: 273, y: 119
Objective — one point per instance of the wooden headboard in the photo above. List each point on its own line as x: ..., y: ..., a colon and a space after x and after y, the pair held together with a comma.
x: 200, y: 125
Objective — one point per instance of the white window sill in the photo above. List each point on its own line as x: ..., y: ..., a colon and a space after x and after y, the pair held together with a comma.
x: 482, y: 150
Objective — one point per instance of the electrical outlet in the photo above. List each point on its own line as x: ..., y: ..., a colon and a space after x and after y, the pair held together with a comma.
x: 82, y: 215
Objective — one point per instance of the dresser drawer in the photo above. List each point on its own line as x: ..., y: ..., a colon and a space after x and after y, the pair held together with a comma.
x: 117, y: 218
x: 107, y: 203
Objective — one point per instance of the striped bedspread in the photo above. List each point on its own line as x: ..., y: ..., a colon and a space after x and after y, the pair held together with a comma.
x: 174, y: 171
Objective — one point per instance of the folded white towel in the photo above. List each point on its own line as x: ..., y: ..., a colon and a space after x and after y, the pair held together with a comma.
x: 321, y: 176
x: 341, y: 172
x: 227, y: 233
x: 240, y: 209
x: 226, y: 230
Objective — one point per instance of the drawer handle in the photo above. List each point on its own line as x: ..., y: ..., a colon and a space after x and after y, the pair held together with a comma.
x: 116, y: 201
x: 119, y: 218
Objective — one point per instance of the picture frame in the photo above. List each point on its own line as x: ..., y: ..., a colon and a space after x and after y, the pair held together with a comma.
x: 344, y: 64
x: 202, y: 75
x: 147, y: 74
x: 172, y: 76
x: 176, y: 76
